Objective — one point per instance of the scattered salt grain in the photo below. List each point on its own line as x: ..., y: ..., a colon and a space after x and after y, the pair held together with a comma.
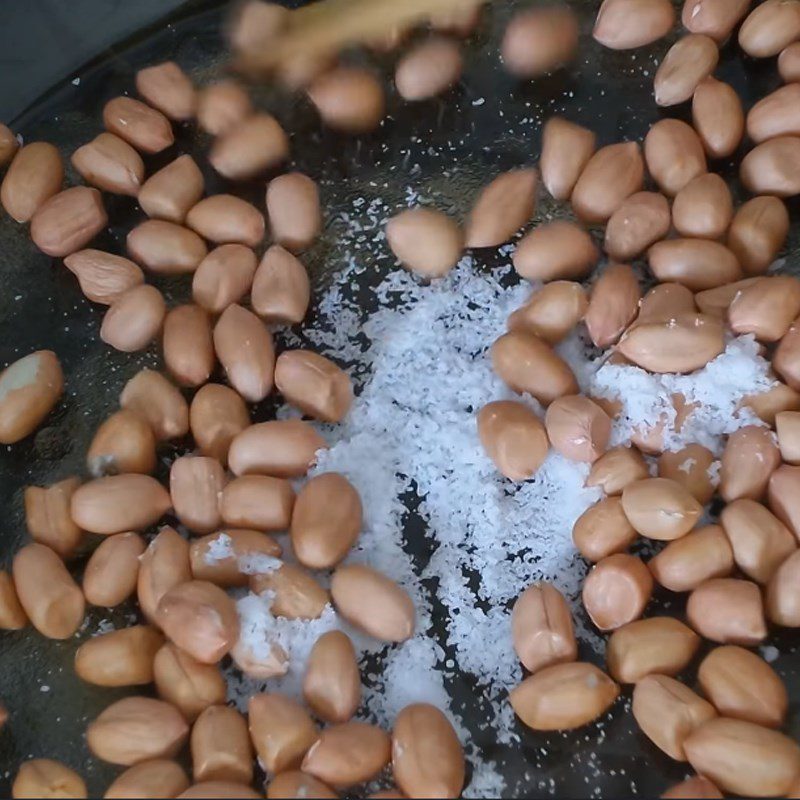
x: 103, y: 626
x: 221, y: 549
x: 713, y: 472
x: 770, y: 653
x: 688, y: 465
x: 486, y: 781
x: 258, y: 564
x: 419, y: 657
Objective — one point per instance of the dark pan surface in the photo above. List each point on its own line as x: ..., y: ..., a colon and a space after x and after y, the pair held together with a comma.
x: 490, y: 122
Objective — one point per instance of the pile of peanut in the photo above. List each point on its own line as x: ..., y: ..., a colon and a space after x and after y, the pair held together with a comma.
x: 709, y: 261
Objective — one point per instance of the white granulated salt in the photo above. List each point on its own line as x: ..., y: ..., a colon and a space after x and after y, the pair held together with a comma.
x: 102, y: 627
x: 688, y: 465
x: 259, y: 630
x: 770, y: 653
x: 418, y: 657
x: 713, y: 472
x: 412, y: 433
x: 220, y: 548
x: 258, y: 564
x: 257, y: 625
x: 438, y: 518
x: 717, y: 389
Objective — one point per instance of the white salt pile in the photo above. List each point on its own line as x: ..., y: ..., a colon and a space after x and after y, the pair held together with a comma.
x: 438, y: 517
x: 718, y: 389
x: 260, y: 630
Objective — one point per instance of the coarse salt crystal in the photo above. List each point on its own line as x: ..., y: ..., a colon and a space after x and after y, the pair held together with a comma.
x: 688, y: 465
x: 258, y: 564
x: 770, y: 653
x: 220, y: 548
